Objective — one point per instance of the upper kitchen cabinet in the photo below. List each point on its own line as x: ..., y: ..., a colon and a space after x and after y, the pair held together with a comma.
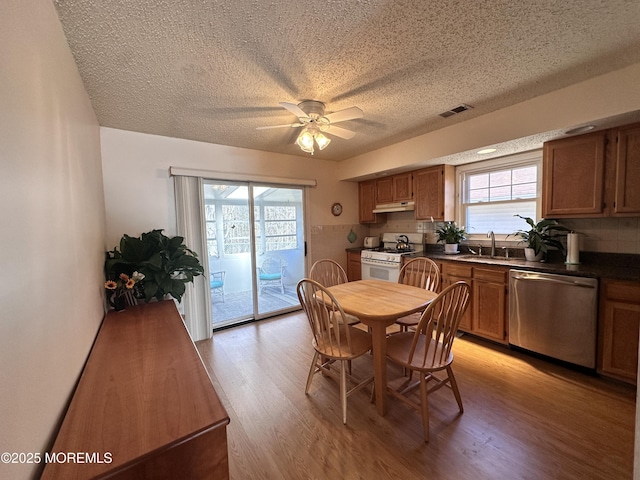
x: 627, y: 191
x: 434, y: 193
x: 397, y: 188
x: 367, y: 202
x: 592, y: 175
x: 573, y: 176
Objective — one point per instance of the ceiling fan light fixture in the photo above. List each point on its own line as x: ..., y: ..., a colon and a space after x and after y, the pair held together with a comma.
x: 311, y: 117
x: 322, y: 141
x: 305, y: 141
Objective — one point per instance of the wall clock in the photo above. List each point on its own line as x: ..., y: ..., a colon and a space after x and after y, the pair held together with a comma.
x: 336, y: 209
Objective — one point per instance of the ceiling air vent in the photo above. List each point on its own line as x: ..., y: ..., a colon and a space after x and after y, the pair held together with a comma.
x: 453, y: 111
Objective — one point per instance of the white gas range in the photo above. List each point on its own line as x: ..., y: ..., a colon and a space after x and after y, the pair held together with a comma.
x: 384, y: 263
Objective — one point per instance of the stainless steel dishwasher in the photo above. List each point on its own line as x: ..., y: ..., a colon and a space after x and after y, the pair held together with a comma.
x: 554, y: 315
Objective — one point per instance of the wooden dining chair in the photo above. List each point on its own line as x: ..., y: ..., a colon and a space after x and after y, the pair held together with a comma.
x: 333, y: 339
x: 427, y: 351
x: 419, y: 272
x: 328, y: 273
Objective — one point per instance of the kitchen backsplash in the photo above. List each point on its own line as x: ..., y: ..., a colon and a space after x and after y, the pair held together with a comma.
x: 604, y: 235
x: 607, y: 235
x: 330, y: 241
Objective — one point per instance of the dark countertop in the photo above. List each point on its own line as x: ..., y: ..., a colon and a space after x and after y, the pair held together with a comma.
x: 598, y: 265
x: 617, y: 266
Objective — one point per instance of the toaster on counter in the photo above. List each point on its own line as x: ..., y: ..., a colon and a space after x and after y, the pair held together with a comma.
x: 371, y: 242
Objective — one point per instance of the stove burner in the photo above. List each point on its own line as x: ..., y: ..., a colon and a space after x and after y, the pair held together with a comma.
x: 398, y: 250
x: 390, y: 250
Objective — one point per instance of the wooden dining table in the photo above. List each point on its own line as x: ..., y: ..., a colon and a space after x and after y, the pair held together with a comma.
x: 378, y: 304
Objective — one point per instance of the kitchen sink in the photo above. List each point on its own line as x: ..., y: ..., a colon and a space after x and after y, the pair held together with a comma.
x: 486, y: 258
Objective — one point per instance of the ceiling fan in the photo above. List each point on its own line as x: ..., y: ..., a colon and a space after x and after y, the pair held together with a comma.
x: 315, y: 123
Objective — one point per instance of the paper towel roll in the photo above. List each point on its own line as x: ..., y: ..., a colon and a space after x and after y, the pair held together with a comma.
x: 573, y: 248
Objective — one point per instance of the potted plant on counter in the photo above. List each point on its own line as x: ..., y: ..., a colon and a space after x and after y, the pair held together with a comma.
x: 451, y: 235
x: 540, y: 236
x: 165, y: 265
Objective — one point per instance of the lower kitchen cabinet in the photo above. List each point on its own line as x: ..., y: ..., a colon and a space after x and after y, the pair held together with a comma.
x: 455, y: 272
x: 486, y: 315
x: 618, y: 329
x: 490, y: 302
x: 618, y: 320
x: 354, y: 266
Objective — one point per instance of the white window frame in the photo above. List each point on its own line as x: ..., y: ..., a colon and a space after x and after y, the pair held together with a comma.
x: 511, y: 161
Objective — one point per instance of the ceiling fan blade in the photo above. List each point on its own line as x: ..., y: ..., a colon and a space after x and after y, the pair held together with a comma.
x: 340, y: 132
x: 280, y: 126
x: 344, y: 115
x: 295, y: 109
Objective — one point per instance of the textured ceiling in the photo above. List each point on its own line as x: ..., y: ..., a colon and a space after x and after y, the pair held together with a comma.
x: 215, y: 70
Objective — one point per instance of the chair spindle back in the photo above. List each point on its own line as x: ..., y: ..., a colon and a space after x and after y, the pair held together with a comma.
x: 440, y: 322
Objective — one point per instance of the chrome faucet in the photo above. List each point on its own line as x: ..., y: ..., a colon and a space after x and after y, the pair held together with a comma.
x: 493, y: 243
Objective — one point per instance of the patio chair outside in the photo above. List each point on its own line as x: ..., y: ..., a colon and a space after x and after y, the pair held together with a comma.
x: 271, y: 273
x: 216, y: 284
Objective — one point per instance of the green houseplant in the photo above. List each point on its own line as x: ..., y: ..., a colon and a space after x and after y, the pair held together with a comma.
x: 451, y: 235
x: 166, y: 264
x: 540, y: 236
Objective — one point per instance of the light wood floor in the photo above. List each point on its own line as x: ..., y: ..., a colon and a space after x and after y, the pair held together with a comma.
x: 524, y: 418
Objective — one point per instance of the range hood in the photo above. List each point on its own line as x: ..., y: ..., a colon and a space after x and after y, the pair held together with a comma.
x: 394, y: 207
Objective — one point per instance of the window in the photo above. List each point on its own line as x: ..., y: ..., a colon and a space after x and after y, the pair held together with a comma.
x: 235, y: 226
x: 210, y: 224
x: 277, y: 215
x: 280, y: 224
x: 493, y: 192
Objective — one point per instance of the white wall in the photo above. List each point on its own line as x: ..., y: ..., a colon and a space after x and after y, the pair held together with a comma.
x: 605, y: 96
x: 52, y: 221
x: 139, y: 192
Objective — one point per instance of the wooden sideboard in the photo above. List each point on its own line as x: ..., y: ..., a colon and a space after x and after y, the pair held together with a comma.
x: 144, y: 406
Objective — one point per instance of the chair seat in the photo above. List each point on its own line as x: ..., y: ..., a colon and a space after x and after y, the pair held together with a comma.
x: 216, y: 284
x: 410, y: 320
x: 360, y: 344
x: 350, y: 319
x: 270, y: 276
x: 398, y: 346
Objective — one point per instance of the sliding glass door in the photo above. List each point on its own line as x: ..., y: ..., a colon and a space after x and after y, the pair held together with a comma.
x: 255, y: 249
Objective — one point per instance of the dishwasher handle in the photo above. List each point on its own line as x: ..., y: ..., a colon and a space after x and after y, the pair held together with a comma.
x: 574, y: 283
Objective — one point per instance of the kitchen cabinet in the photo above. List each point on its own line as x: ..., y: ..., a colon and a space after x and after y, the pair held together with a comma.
x: 367, y: 202
x: 618, y: 329
x: 354, y: 266
x: 434, y: 193
x: 397, y: 188
x: 573, y: 176
x: 455, y: 272
x: 592, y: 175
x: 627, y: 184
x: 486, y: 315
x: 432, y: 189
x: 490, y: 302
